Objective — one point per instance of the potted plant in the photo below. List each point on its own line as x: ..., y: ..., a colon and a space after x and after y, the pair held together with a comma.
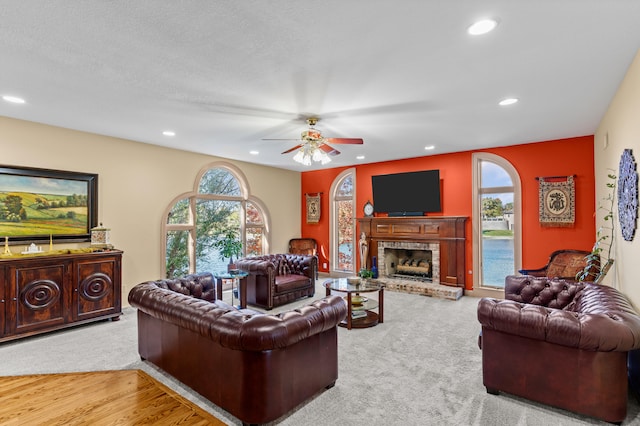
x: 597, y: 265
x: 229, y: 245
x: 365, y: 273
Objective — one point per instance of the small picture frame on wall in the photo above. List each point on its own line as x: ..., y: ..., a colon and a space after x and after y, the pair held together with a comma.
x: 38, y: 205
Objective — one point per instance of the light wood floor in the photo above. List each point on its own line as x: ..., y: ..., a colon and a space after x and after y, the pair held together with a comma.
x: 128, y: 397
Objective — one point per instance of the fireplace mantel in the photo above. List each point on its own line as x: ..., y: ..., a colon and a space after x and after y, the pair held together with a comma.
x: 448, y: 231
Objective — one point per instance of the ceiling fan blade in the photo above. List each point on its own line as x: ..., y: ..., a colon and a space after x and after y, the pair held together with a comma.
x: 292, y: 149
x: 328, y: 149
x: 354, y: 141
x: 288, y: 139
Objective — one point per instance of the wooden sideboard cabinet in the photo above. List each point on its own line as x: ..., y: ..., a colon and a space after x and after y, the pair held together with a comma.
x: 45, y: 293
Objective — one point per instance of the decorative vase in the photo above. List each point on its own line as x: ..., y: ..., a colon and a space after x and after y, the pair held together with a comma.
x: 374, y: 266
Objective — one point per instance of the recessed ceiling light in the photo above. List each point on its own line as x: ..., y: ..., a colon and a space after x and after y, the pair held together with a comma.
x: 429, y: 147
x: 254, y: 152
x: 482, y: 27
x: 169, y: 133
x: 360, y: 157
x: 508, y: 101
x: 13, y: 99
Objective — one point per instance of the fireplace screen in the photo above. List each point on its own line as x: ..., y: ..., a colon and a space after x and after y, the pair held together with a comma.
x: 409, y: 263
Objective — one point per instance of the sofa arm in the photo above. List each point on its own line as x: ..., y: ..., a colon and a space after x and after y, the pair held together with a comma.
x: 552, y: 293
x: 612, y: 331
x: 257, y: 266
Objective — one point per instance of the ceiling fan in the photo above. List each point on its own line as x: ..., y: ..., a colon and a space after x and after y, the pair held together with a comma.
x: 314, y: 146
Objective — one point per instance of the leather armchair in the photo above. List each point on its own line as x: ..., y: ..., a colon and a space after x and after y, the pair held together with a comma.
x: 277, y: 279
x: 563, y: 264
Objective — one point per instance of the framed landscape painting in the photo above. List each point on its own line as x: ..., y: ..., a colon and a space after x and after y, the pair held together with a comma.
x: 39, y: 204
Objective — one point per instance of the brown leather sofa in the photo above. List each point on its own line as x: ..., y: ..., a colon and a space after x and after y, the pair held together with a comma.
x: 561, y: 343
x: 277, y: 279
x: 256, y: 366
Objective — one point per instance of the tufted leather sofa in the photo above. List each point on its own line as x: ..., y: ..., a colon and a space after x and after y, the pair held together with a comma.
x: 561, y: 343
x: 277, y: 279
x: 256, y: 366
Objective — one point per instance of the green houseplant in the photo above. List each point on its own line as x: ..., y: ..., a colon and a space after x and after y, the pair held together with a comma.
x: 228, y: 245
x: 365, y: 273
x: 599, y: 261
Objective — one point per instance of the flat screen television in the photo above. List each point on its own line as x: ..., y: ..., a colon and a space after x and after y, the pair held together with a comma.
x: 407, y: 194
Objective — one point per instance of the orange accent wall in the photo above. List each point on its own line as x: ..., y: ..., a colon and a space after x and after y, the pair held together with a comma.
x: 572, y: 156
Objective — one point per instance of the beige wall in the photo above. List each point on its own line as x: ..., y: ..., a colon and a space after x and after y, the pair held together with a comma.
x: 136, y: 183
x: 619, y: 130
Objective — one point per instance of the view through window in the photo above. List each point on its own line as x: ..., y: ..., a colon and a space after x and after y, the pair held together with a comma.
x: 498, y: 222
x: 343, y: 223
x: 195, y: 225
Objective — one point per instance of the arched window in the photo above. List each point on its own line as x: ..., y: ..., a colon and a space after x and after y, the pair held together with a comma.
x: 497, y: 220
x: 219, y: 205
x: 343, y: 223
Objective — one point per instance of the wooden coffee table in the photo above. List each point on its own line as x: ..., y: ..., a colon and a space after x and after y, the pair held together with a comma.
x: 358, y: 303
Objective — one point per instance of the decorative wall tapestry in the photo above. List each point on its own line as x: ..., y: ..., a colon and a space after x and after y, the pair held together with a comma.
x: 557, y: 201
x: 627, y: 195
x: 313, y: 208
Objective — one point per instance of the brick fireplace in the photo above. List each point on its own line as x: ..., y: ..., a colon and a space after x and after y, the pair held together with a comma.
x: 409, y: 260
x: 422, y: 254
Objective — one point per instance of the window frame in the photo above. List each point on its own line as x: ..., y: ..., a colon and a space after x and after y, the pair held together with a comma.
x: 335, y: 252
x: 191, y: 226
x: 478, y: 192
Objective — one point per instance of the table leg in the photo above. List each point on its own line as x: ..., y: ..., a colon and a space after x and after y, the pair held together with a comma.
x: 381, y: 305
x: 243, y: 292
x: 349, y: 305
x: 219, y: 288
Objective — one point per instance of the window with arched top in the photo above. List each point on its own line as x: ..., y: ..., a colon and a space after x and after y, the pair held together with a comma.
x: 343, y: 223
x: 220, y: 208
x: 497, y: 220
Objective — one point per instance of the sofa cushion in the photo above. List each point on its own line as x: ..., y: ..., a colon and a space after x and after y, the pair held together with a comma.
x: 283, y: 267
x: 291, y: 282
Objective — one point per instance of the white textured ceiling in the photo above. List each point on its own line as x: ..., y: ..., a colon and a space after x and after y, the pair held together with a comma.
x: 400, y: 74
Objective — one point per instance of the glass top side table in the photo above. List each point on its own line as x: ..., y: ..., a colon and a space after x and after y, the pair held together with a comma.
x: 239, y: 277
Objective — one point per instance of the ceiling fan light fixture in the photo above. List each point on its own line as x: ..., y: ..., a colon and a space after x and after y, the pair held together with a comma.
x: 308, y: 154
x: 299, y: 156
